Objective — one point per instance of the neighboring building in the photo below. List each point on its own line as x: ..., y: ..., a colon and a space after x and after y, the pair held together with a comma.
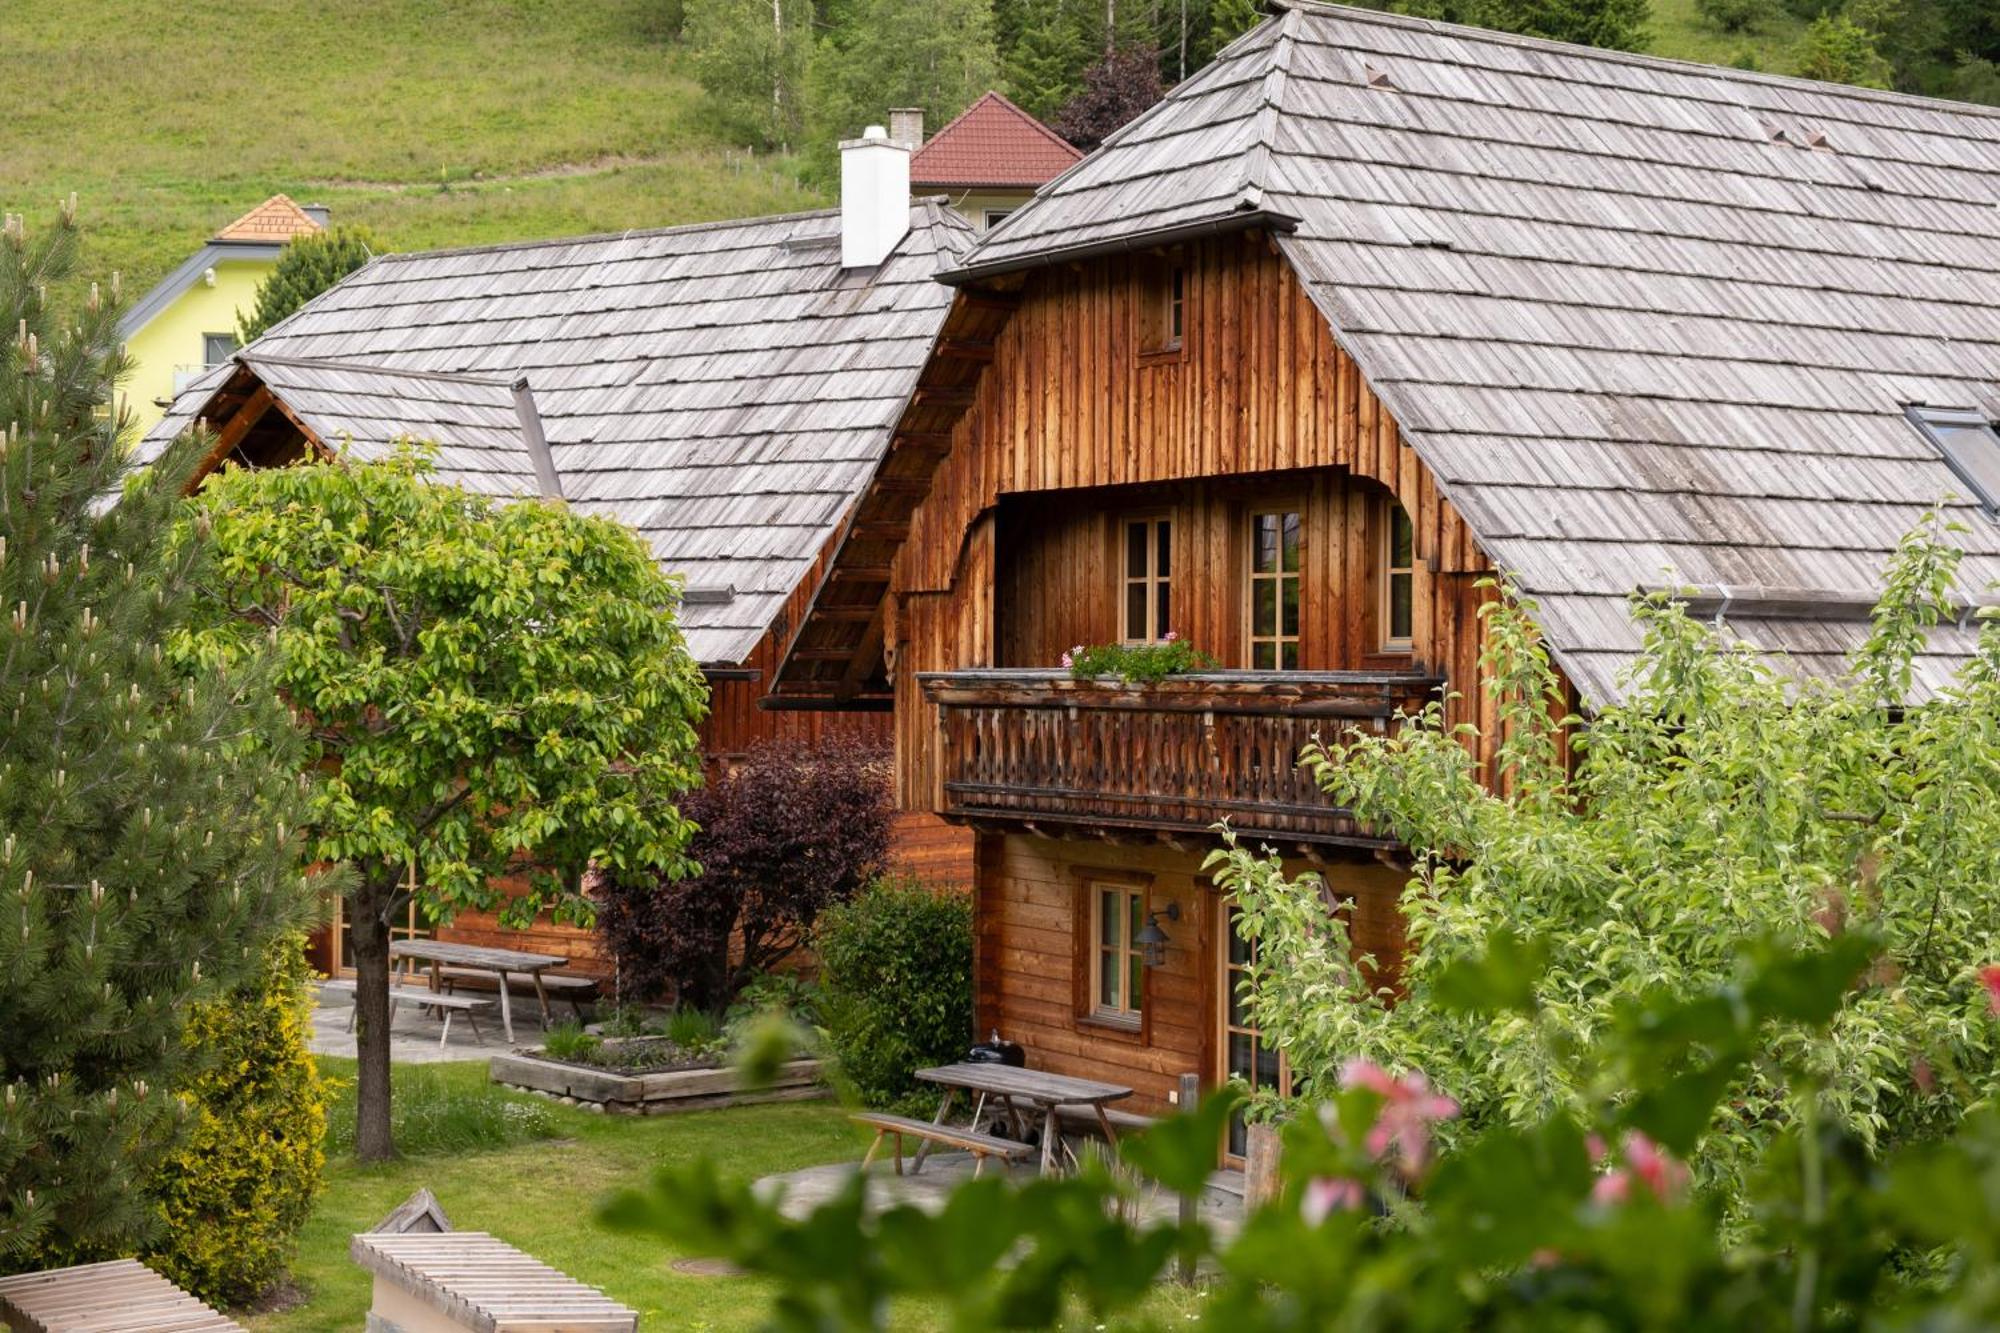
x: 1367, y: 310
x: 187, y: 323
x: 724, y: 389
x: 989, y: 161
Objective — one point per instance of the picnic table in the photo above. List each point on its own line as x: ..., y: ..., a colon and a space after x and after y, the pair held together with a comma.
x: 479, y: 958
x: 1024, y: 1093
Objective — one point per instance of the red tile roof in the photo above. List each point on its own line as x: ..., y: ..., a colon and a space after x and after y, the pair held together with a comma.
x: 276, y: 219
x: 993, y: 144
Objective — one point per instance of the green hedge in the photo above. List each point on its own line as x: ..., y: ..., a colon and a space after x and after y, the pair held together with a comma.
x: 896, y: 970
x: 236, y: 1193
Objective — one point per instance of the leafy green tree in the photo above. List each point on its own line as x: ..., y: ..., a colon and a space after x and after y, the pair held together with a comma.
x: 148, y: 820
x: 490, y: 690
x: 1718, y: 803
x: 1735, y: 15
x: 751, y: 57
x: 1619, y: 25
x: 307, y: 266
x: 936, y: 54
x: 1839, y: 50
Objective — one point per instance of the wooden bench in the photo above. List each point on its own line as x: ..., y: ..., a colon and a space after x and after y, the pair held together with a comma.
x: 445, y: 1282
x: 122, y: 1296
x: 1083, y: 1120
x: 981, y: 1146
x: 421, y: 998
x: 557, y: 985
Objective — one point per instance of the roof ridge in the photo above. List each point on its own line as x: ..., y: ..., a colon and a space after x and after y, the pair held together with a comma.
x: 630, y: 233
x: 1270, y: 109
x: 254, y: 358
x: 1676, y: 64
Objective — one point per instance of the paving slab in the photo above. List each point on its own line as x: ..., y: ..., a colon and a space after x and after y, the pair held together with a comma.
x: 413, y: 1033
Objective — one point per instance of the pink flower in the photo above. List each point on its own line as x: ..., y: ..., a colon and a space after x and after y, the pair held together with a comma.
x: 1068, y: 661
x: 1647, y: 1165
x: 1327, y: 1194
x: 1409, y: 1107
x: 1989, y: 977
x: 1172, y: 635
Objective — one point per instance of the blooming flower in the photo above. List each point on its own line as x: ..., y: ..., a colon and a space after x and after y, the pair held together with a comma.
x: 1327, y: 1194
x: 1068, y: 661
x: 1989, y: 977
x: 1172, y: 635
x: 1409, y: 1107
x: 1647, y: 1165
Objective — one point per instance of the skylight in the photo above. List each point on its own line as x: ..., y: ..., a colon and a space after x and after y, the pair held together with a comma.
x: 1968, y: 442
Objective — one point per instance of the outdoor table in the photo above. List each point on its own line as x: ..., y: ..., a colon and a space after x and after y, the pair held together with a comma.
x: 1044, y: 1094
x: 505, y: 962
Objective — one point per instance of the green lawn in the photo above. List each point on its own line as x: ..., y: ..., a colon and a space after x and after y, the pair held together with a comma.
x: 434, y: 122
x: 1679, y: 31
x: 542, y: 1194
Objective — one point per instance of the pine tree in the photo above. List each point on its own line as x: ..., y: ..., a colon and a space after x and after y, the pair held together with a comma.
x: 1046, y: 54
x: 148, y: 846
x: 307, y: 266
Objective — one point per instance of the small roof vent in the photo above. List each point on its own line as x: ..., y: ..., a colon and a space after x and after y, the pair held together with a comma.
x: 1818, y: 141
x: 1379, y: 78
x: 708, y: 596
x: 1776, y: 133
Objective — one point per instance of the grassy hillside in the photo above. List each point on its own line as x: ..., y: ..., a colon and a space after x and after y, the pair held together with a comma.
x: 436, y: 122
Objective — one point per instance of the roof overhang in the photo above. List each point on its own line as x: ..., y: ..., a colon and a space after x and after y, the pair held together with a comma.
x: 168, y: 289
x: 1240, y: 220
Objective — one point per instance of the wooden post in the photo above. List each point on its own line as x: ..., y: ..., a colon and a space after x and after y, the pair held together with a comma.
x: 1190, y: 1096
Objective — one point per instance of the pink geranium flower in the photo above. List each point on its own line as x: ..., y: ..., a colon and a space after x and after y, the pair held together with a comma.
x: 1402, y: 1129
x: 1647, y: 1165
x: 1068, y: 661
x: 1172, y: 635
x: 1989, y: 977
x: 1326, y: 1195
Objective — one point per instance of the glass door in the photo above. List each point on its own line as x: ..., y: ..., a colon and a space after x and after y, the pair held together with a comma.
x: 1243, y: 1052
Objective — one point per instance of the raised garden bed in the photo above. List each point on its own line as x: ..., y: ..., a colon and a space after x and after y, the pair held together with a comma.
x: 648, y: 1089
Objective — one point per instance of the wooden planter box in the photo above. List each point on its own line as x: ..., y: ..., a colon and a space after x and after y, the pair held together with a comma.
x: 652, y: 1094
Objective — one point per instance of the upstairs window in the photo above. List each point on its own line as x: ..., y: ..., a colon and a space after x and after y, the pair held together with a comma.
x: 1969, y: 444
x: 1274, y: 590
x: 217, y: 348
x: 1164, y: 313
x: 1399, y: 578
x: 1149, y: 567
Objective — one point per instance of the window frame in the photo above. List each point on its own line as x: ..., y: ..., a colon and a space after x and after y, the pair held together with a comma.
x: 1388, y: 641
x: 1153, y: 580
x: 1163, y: 308
x: 993, y: 217
x: 1927, y: 418
x: 234, y: 347
x: 1252, y: 576
x: 1225, y: 936
x: 1135, y: 897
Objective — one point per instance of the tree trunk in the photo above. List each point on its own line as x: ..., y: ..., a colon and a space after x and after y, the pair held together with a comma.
x: 368, y: 919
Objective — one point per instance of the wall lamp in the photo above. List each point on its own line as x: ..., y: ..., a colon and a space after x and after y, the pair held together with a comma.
x: 1152, y: 941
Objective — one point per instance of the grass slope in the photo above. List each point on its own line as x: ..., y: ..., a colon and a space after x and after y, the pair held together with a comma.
x: 533, y: 1175
x: 436, y: 122
x: 1680, y: 32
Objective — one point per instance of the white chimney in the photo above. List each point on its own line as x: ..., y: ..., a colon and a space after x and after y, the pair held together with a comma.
x: 874, y: 197
x: 906, y: 126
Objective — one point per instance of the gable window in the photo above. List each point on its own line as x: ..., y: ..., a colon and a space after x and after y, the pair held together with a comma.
x: 994, y: 216
x: 1274, y: 590
x: 1969, y: 444
x: 1164, y: 314
x: 217, y: 348
x: 1399, y: 578
x: 1117, y: 962
x: 1148, y: 579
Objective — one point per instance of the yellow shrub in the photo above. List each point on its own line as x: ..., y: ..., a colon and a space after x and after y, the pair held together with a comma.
x: 236, y: 1193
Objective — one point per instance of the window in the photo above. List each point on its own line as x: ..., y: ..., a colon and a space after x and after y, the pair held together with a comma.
x: 1117, y: 963
x: 1274, y: 590
x: 1969, y: 444
x: 1165, y: 315
x: 1244, y: 1054
x: 217, y: 348
x: 1149, y: 553
x: 994, y: 216
x: 1399, y: 577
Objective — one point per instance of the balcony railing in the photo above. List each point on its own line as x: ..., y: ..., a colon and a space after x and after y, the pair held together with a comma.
x: 1035, y: 748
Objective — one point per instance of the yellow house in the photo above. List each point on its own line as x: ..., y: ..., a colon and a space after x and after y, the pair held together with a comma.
x: 188, y: 322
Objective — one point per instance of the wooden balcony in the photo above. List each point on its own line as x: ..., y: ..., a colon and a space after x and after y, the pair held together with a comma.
x: 1040, y: 751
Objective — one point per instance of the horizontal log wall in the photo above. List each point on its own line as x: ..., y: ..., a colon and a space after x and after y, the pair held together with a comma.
x: 1030, y: 898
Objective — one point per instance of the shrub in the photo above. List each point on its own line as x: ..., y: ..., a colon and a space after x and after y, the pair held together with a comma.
x: 896, y: 980
x: 1734, y: 15
x: 1839, y: 50
x: 236, y: 1192
x: 784, y: 835
x: 568, y: 1041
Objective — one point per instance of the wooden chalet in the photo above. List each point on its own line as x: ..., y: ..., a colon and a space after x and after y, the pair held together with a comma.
x: 725, y: 390
x: 1367, y: 310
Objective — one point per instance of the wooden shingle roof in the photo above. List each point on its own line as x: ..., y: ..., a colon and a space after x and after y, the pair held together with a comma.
x: 724, y: 389
x: 1649, y: 323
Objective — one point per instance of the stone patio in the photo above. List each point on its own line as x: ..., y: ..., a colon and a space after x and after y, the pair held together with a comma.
x: 1221, y: 1206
